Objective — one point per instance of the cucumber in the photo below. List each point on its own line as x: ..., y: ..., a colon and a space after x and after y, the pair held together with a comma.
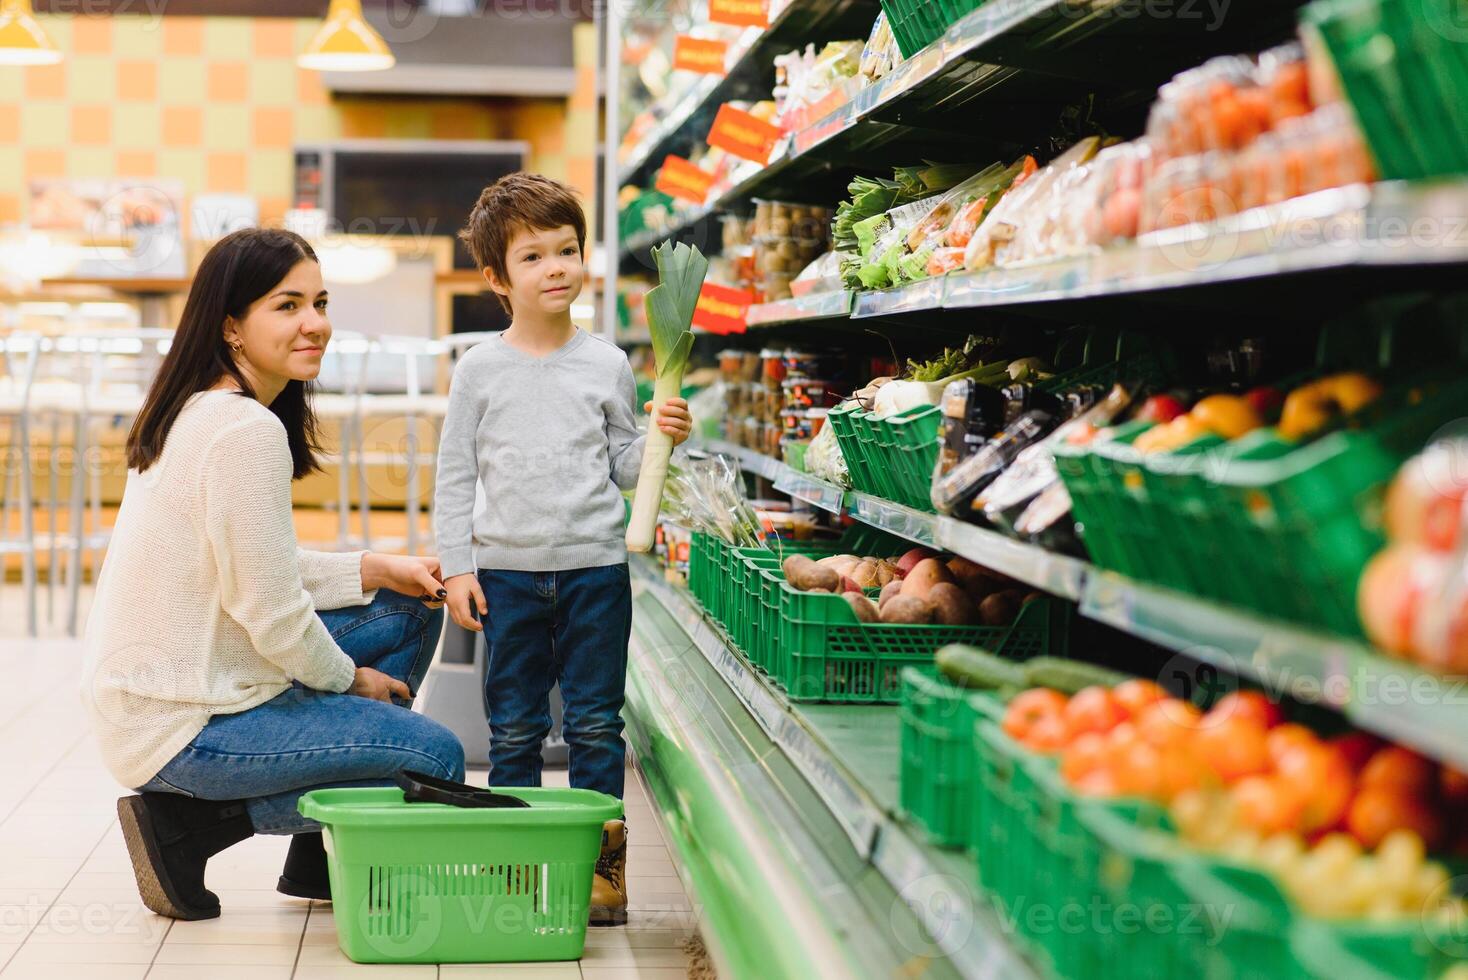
x: 971, y: 667
x: 1068, y: 676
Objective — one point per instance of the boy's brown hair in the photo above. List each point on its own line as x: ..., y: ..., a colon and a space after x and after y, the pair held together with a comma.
x: 515, y: 202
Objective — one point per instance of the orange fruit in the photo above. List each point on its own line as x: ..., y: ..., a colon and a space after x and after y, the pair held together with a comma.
x: 1266, y: 805
x: 1137, y: 769
x: 1030, y: 707
x: 1246, y: 704
x: 1322, y: 781
x: 1098, y: 783
x: 1093, y: 710
x: 1168, y: 721
x: 1136, y: 694
x: 1181, y: 771
x: 1282, y: 738
x: 1402, y: 769
x: 1083, y: 756
x: 1233, y: 748
x: 1048, y: 735
x: 1377, y: 811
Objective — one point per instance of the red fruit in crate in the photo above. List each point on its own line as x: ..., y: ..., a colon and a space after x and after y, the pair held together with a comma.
x: 1233, y: 747
x: 1424, y: 504
x: 1403, y: 770
x: 1031, y: 707
x: 1161, y: 408
x: 1048, y: 735
x: 1376, y: 812
x: 1168, y: 722
x: 1254, y: 705
x: 1357, y: 747
x: 1137, y: 768
x: 1136, y: 694
x: 1283, y: 738
x: 1093, y: 710
x: 1266, y: 805
x: 1453, y: 784
x: 1083, y: 756
x: 1392, y: 592
x: 1266, y: 402
x: 1322, y: 780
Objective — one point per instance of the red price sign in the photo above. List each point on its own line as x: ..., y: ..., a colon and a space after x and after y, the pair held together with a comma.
x: 702, y: 55
x: 740, y: 13
x: 721, y: 309
x: 681, y: 179
x: 745, y: 136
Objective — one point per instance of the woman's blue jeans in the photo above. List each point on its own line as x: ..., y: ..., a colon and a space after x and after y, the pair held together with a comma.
x: 303, y: 739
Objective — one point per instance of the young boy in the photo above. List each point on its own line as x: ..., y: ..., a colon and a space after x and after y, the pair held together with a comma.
x: 541, y: 417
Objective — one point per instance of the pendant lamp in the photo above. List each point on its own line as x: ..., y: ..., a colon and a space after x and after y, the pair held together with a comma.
x: 22, y: 39
x: 346, y: 42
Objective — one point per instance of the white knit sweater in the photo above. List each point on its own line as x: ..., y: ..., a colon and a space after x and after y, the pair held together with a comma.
x: 205, y: 605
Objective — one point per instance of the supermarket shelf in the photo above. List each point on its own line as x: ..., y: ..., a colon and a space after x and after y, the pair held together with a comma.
x: 749, y: 76
x: 965, y: 935
x: 685, y: 221
x: 1373, y: 691
x: 812, y: 306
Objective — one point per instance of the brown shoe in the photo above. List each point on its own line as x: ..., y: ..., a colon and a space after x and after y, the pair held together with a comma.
x: 609, y: 887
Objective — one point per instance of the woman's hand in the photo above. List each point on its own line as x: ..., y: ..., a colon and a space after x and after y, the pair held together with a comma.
x: 416, y: 575
x: 674, y: 419
x: 378, y: 686
x: 465, y: 597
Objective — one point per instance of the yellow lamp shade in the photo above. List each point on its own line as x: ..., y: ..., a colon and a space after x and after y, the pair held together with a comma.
x: 346, y: 42
x: 22, y: 39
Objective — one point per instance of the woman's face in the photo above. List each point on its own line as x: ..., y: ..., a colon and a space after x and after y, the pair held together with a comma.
x: 284, y: 333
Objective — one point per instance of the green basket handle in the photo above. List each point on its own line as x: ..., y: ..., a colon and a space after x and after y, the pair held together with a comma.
x: 420, y: 787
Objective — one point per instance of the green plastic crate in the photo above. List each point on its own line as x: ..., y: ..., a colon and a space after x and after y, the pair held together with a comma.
x: 429, y: 883
x: 935, y: 785
x: 918, y: 23
x: 891, y: 458
x: 827, y: 655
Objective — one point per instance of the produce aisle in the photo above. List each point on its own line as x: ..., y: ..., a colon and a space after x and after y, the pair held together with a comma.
x: 1067, y: 577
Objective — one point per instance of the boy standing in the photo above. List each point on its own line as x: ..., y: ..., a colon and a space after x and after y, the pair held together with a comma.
x: 541, y: 416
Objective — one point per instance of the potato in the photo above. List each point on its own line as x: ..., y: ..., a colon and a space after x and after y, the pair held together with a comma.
x: 912, y: 557
x: 907, y: 610
x: 952, y: 606
x: 804, y: 574
x: 840, y: 564
x: 848, y: 584
x: 923, y: 576
x: 886, y: 572
x: 889, y: 592
x: 1000, y: 608
x: 823, y: 591
x: 865, y: 609
x: 865, y: 575
x: 975, y: 579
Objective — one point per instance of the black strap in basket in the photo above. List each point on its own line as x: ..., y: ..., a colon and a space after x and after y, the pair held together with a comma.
x: 422, y: 788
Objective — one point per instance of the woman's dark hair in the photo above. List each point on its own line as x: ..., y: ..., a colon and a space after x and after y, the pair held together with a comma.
x: 240, y: 268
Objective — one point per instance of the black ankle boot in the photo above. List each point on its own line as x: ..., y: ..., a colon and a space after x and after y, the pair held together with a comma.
x: 170, y: 837
x: 305, y: 874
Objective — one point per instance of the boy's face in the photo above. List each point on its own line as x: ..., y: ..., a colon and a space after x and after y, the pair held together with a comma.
x: 544, y: 268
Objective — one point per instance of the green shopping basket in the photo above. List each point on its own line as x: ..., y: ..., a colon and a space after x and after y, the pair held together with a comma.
x: 417, y: 882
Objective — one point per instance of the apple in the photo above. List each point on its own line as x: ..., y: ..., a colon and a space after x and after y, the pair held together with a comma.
x: 1265, y: 401
x: 911, y: 558
x: 1161, y: 408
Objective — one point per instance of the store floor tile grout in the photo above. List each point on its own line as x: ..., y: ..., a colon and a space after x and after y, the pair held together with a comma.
x: 69, y: 905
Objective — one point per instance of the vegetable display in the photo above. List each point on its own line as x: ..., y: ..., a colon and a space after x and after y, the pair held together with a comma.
x: 670, y: 304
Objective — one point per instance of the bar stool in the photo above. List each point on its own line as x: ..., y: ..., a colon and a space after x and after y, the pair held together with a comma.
x: 21, y: 356
x: 337, y: 398
x: 413, y: 405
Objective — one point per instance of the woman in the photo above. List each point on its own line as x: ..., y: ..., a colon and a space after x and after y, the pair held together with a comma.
x: 228, y: 672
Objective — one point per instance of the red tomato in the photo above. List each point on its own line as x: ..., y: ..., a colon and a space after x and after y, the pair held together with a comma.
x: 1029, y: 708
x: 1247, y: 704
x: 1266, y: 805
x: 1168, y: 721
x: 1283, y: 738
x: 1233, y: 748
x: 1085, y: 755
x: 1377, y: 811
x: 1134, y: 695
x: 1402, y: 769
x: 1048, y: 735
x: 1137, y: 769
x: 1321, y: 778
x: 1093, y: 710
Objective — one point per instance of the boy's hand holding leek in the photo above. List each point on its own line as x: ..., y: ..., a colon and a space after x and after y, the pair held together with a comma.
x: 669, y: 306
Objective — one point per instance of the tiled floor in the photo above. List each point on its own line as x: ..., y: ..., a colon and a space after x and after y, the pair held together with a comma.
x: 69, y: 909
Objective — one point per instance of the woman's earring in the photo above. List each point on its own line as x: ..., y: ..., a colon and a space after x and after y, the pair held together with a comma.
x: 236, y: 346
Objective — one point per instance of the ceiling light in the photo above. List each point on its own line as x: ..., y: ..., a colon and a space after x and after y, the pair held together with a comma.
x: 22, y: 39
x: 346, y: 42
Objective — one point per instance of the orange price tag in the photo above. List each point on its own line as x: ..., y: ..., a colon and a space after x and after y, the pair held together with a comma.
x: 699, y: 54
x: 722, y: 309
x: 740, y: 13
x: 745, y: 136
x: 679, y: 178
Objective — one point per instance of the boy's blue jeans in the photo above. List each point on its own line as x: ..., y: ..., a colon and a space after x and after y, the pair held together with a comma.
x: 303, y: 739
x: 570, y: 626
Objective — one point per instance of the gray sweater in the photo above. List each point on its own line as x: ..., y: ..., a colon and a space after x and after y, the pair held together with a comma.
x: 550, y: 440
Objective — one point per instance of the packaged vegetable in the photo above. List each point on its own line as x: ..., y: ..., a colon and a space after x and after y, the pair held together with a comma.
x: 999, y: 228
x: 954, y: 493
x: 972, y: 413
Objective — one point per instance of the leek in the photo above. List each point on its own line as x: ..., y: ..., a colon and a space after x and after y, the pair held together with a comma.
x: 669, y: 306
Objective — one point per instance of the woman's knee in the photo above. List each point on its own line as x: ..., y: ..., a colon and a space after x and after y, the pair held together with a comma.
x: 444, y: 748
